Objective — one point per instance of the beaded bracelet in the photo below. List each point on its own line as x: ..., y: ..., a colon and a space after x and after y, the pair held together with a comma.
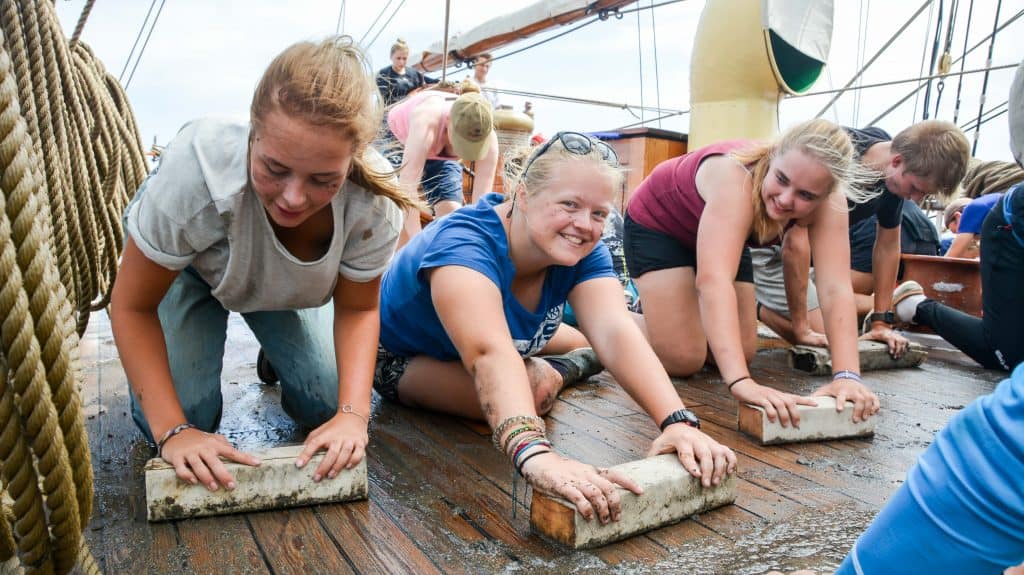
x: 532, y: 435
x: 846, y: 374
x: 169, y: 434
x: 509, y: 422
x: 515, y: 433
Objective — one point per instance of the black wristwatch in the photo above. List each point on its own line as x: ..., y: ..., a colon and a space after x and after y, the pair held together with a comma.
x: 885, y: 317
x: 681, y: 416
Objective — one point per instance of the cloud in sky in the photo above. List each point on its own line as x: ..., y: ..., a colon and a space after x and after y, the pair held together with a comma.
x: 205, y: 57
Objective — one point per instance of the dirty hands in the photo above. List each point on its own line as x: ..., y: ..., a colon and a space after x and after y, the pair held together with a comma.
x: 343, y: 437
x: 196, y: 457
x: 774, y: 402
x: 593, y: 491
x: 703, y: 457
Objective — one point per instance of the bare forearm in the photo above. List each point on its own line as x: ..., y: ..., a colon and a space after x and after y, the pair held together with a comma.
x: 796, y: 265
x: 719, y: 316
x: 838, y: 308
x: 885, y: 264
x: 143, y: 352
x: 356, y: 333
x: 502, y: 385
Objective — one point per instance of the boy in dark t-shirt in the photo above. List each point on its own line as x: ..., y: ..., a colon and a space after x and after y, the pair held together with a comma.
x: 929, y: 157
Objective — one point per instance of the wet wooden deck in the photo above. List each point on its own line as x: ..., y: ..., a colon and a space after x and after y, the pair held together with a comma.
x: 440, y: 495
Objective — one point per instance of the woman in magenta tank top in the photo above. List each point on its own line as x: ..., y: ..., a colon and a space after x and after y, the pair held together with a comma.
x: 687, y: 232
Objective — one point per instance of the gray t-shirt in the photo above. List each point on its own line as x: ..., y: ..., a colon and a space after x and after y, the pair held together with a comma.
x: 196, y: 209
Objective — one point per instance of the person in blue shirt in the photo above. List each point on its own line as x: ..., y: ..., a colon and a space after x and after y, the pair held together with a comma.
x: 968, y: 231
x: 469, y: 305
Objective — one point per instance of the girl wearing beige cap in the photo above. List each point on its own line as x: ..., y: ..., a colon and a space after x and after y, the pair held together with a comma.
x: 437, y: 129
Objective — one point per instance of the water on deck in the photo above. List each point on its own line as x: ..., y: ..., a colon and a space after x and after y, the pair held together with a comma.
x: 440, y: 495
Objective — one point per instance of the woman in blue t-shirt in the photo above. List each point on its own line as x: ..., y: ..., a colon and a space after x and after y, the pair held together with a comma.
x: 471, y: 302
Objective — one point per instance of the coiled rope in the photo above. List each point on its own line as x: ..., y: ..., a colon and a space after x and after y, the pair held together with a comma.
x: 70, y: 156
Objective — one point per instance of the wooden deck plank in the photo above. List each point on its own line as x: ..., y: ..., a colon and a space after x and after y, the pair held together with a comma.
x: 372, y: 542
x: 294, y: 541
x: 221, y: 545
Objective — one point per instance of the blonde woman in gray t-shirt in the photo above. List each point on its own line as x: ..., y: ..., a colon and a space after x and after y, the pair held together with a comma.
x: 274, y: 219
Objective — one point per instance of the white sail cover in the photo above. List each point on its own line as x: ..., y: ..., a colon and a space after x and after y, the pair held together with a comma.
x: 803, y: 24
x: 522, y: 23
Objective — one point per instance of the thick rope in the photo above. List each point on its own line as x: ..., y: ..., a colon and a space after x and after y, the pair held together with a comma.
x: 987, y: 177
x: 70, y: 156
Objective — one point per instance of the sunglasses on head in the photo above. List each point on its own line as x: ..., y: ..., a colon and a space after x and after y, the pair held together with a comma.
x: 576, y: 143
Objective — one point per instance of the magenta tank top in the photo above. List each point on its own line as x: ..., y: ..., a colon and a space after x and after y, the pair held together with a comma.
x: 667, y: 200
x: 398, y: 121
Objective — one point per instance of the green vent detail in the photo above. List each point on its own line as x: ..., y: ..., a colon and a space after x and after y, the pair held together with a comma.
x: 798, y: 71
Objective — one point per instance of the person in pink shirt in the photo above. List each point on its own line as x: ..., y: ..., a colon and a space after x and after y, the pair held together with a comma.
x: 688, y: 228
x: 436, y: 129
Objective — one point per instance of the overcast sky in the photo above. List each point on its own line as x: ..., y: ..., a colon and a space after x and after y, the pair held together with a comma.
x: 205, y: 56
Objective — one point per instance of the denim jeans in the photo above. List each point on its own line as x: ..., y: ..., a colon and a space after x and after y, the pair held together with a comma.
x: 298, y: 343
x: 442, y: 180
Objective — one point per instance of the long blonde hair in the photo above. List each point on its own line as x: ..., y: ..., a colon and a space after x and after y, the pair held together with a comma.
x: 826, y: 143
x: 328, y: 83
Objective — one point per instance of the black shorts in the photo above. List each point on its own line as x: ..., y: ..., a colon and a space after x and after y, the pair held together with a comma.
x: 389, y: 369
x: 648, y: 250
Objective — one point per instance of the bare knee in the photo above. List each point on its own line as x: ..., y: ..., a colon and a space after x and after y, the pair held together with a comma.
x: 545, y: 383
x: 682, y: 362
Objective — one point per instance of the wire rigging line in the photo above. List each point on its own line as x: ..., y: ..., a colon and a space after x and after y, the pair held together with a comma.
x: 657, y: 74
x: 908, y: 80
x: 992, y: 114
x: 963, y: 60
x: 961, y: 74
x: 658, y: 119
x: 924, y: 54
x: 385, y: 26
x: 444, y: 57
x: 984, y: 83
x: 375, y: 20
x: 574, y: 100
x: 862, y: 32
x: 944, y: 63
x: 144, y: 44
x: 873, y: 58
x: 931, y: 66
x: 137, y: 38
x: 640, y: 58
x: 618, y: 14
x: 341, y: 19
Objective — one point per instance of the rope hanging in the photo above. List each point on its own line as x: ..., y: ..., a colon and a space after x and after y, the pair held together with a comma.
x: 70, y: 156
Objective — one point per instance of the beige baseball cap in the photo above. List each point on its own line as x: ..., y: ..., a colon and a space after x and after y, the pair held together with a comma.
x: 470, y: 127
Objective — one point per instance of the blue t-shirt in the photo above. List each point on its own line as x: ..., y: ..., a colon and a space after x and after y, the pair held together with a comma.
x: 472, y: 237
x: 975, y: 212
